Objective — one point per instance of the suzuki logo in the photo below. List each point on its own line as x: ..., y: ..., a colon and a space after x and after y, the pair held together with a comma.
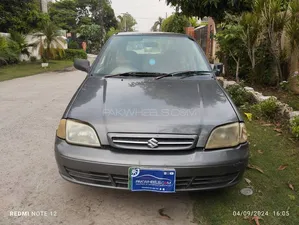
x: 153, y: 143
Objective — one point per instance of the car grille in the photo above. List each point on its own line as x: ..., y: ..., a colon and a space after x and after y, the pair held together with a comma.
x: 121, y: 181
x: 152, y: 141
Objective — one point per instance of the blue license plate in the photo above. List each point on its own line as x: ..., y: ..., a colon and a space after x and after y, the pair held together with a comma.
x: 154, y: 180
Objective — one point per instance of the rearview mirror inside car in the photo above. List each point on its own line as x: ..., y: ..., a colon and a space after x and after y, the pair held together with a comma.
x: 82, y: 64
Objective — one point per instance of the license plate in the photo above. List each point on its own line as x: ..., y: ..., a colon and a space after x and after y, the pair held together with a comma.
x: 154, y: 180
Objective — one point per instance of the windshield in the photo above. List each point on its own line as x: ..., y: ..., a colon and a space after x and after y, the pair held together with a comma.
x: 150, y: 54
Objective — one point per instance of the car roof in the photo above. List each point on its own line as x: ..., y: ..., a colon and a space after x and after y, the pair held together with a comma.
x: 151, y: 33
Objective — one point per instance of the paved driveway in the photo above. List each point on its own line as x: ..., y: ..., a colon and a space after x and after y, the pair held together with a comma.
x: 30, y: 109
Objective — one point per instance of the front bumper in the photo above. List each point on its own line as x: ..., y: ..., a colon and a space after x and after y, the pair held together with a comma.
x: 196, y: 170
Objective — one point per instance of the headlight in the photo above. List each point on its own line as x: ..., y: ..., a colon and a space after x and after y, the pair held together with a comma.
x: 227, y: 136
x: 78, y: 133
x: 243, y: 133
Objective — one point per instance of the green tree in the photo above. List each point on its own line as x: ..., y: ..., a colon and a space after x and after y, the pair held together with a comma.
x: 9, y: 51
x: 110, y: 33
x: 49, y: 40
x: 193, y: 21
x: 102, y: 18
x: 212, y: 8
x: 64, y: 14
x: 274, y: 15
x: 175, y: 23
x: 20, y: 40
x: 292, y: 30
x: 100, y: 12
x: 126, y: 22
x: 91, y: 34
x: 251, y: 34
x: 229, y: 39
x: 20, y: 15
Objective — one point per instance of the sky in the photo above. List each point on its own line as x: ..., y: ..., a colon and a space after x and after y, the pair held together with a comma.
x: 145, y: 12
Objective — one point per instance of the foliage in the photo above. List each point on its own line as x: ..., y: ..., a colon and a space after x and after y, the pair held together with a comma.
x: 64, y: 14
x: 9, y: 51
x: 33, y: 59
x: 20, y: 15
x: 295, y: 126
x: 267, y: 109
x: 239, y: 95
x: 49, y: 39
x: 284, y: 85
x: 211, y: 8
x: 270, y: 37
x: 56, y: 54
x: 126, y: 22
x: 91, y: 34
x: 193, y: 22
x: 229, y: 39
x: 71, y: 54
x: 110, y: 33
x: 20, y: 39
x: 73, y: 45
x: 100, y: 12
x: 175, y: 23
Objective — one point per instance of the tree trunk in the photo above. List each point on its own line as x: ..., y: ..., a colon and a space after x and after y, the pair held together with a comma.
x: 294, y: 80
x: 279, y: 71
x: 237, y: 70
x: 253, y: 59
x: 294, y: 61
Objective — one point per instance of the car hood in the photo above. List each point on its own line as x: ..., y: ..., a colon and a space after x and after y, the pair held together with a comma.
x: 144, y: 105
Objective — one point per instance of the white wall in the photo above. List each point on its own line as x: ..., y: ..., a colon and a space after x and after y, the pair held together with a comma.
x: 33, y: 51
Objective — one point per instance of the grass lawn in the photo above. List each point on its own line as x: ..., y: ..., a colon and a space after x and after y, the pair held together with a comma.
x: 27, y: 69
x: 284, y: 96
x: 271, y: 189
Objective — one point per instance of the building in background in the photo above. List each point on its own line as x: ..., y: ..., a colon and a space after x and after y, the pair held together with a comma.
x: 204, y: 35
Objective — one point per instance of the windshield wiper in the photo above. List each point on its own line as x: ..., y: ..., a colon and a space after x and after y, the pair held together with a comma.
x: 188, y: 73
x: 148, y: 74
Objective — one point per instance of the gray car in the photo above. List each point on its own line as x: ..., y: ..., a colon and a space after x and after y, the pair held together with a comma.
x: 151, y: 116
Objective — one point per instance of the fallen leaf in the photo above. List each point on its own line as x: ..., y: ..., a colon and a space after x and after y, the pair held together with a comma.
x: 163, y: 215
x: 292, y: 197
x: 278, y: 130
x: 291, y: 186
x: 256, y: 220
x: 247, y: 181
x: 282, y: 167
x: 267, y: 125
x: 260, y: 151
x: 249, y: 116
x: 279, y: 134
x: 255, y: 167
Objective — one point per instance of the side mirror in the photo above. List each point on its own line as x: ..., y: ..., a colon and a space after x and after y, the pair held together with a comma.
x: 218, y: 69
x: 82, y: 64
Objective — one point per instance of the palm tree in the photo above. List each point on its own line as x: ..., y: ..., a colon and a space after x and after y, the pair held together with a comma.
x: 20, y: 39
x: 49, y: 42
x: 157, y: 25
x: 292, y: 31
